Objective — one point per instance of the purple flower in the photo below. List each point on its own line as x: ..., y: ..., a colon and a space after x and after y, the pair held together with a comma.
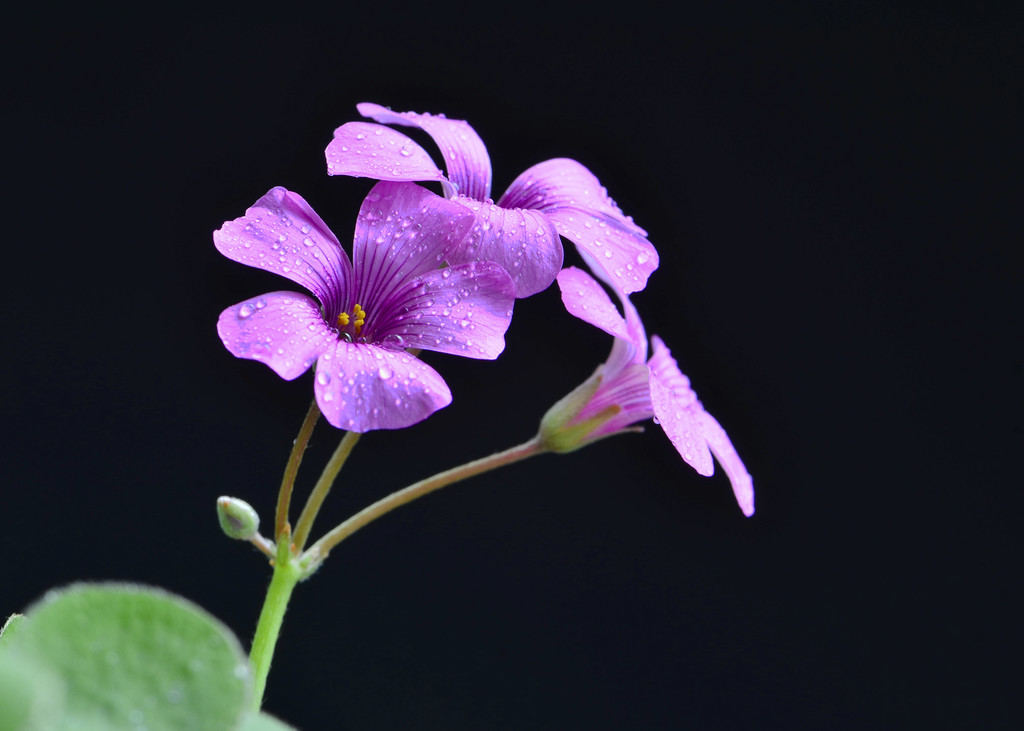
x: 521, y: 230
x: 394, y: 297
x: 629, y: 388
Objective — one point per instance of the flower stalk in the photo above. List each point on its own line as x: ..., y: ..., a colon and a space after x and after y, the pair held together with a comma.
x: 322, y: 487
x: 284, y: 495
x: 319, y: 550
x: 287, y: 573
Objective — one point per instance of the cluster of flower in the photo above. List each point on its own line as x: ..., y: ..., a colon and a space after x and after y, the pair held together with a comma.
x: 441, y: 273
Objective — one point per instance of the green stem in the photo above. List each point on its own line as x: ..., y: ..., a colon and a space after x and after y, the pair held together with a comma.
x: 319, y: 550
x: 284, y: 495
x: 287, y: 573
x: 322, y: 487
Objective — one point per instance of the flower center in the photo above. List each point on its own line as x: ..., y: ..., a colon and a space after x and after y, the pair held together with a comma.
x: 351, y: 325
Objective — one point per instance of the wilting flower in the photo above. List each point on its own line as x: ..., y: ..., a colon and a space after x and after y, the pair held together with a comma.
x: 393, y: 297
x: 629, y: 388
x: 520, y: 231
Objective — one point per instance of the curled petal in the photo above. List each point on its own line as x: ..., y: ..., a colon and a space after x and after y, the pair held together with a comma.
x: 365, y: 150
x: 282, y: 234
x: 465, y: 156
x: 362, y: 387
x: 282, y: 329
x: 564, y: 183
x: 524, y: 242
x: 464, y: 310
x: 584, y: 298
x: 725, y: 453
x: 402, y: 231
x: 619, y: 256
x: 677, y: 409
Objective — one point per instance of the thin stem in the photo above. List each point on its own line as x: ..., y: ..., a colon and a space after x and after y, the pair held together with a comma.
x: 319, y: 550
x: 265, y: 545
x: 284, y: 495
x: 287, y: 573
x: 322, y: 487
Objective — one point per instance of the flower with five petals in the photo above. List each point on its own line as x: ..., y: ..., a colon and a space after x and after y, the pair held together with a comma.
x: 520, y: 231
x: 395, y: 293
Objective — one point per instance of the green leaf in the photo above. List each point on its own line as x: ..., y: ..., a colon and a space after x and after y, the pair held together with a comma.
x: 10, y: 629
x: 135, y: 657
x: 31, y: 696
x: 263, y: 722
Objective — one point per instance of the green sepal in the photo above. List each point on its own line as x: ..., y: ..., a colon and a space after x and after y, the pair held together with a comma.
x: 559, y: 430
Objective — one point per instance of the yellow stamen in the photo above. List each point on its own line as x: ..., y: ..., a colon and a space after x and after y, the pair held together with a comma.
x: 357, y: 318
x: 360, y: 317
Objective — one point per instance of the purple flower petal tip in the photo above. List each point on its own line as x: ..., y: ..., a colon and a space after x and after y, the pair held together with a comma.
x: 584, y: 298
x: 363, y: 387
x: 365, y: 150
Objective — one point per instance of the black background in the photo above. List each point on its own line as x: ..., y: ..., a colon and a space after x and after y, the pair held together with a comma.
x: 835, y: 193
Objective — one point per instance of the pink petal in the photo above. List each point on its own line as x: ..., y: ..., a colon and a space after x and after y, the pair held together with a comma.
x: 625, y: 258
x: 677, y: 409
x: 363, y: 387
x: 564, y: 183
x: 366, y: 150
x: 402, y: 231
x: 465, y: 156
x: 282, y: 329
x: 584, y: 298
x: 282, y: 234
x: 584, y: 214
x: 524, y: 242
x: 463, y: 310
x: 725, y: 453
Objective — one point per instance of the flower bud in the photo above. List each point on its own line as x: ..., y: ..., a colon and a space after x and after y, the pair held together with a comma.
x: 237, y: 518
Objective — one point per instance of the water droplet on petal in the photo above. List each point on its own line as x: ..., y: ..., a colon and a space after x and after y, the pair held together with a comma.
x: 323, y: 377
x: 245, y: 310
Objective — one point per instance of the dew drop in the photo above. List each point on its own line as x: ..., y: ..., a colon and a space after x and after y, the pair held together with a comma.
x: 385, y: 372
x: 245, y: 310
x: 323, y: 377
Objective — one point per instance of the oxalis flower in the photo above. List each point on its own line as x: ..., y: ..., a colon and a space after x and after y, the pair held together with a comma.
x: 629, y: 388
x: 395, y: 296
x: 521, y: 230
